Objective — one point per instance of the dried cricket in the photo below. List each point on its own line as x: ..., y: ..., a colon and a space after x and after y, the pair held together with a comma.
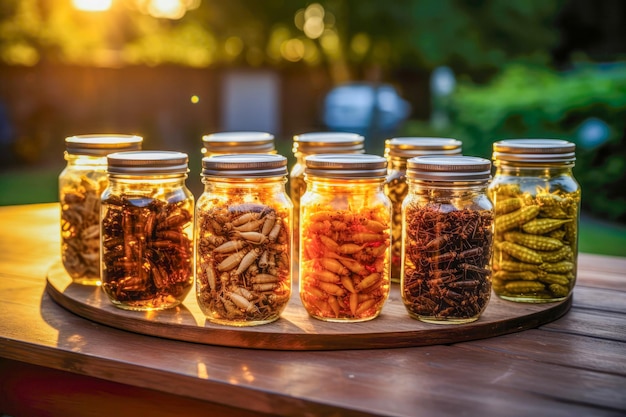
x: 446, y: 275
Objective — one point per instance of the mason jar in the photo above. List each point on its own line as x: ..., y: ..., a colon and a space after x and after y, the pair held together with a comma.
x: 81, y: 182
x: 314, y: 143
x: 448, y: 235
x: 345, y: 237
x: 397, y: 152
x: 537, y: 206
x: 244, y: 221
x: 147, y: 230
x: 246, y: 142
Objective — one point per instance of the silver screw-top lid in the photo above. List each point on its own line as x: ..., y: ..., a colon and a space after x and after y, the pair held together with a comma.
x: 147, y: 163
x: 328, y: 142
x: 101, y: 144
x: 449, y: 168
x: 238, y: 142
x: 345, y: 166
x: 534, y: 151
x: 244, y: 166
x: 409, y: 147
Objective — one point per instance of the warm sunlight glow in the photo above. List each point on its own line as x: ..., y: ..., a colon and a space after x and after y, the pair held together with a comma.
x: 292, y: 50
x: 169, y: 9
x: 92, y: 5
x: 195, y: 99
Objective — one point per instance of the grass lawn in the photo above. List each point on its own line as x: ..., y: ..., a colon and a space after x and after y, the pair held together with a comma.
x: 27, y: 187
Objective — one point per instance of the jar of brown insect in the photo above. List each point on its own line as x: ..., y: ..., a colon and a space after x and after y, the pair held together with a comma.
x: 81, y: 183
x: 345, y: 237
x: 147, y: 230
x: 537, y: 206
x: 314, y: 143
x: 447, y: 239
x: 397, y: 152
x: 224, y: 143
x: 244, y: 221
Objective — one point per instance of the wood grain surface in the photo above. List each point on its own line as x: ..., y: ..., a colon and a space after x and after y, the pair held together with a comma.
x: 295, y: 330
x: 54, y: 362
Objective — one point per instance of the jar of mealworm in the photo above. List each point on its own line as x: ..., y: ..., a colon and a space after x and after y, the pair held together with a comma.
x: 537, y: 206
x: 244, y: 239
x: 80, y: 184
x: 147, y: 230
x: 311, y: 144
x: 447, y: 239
x: 345, y: 237
x: 223, y: 143
x: 397, y: 152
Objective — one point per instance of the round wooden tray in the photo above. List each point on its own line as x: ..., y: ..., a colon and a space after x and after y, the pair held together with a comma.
x: 295, y: 330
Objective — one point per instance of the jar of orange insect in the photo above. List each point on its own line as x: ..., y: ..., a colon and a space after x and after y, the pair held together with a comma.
x: 244, y: 239
x: 345, y: 237
x: 397, y: 152
x: 537, y: 206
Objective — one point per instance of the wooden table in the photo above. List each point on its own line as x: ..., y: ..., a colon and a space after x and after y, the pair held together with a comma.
x: 55, y: 363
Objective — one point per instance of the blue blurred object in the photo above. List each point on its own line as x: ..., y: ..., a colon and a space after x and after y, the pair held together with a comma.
x: 375, y: 111
x: 592, y: 133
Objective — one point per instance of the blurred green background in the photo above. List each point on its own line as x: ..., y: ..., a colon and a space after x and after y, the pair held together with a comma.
x: 170, y: 71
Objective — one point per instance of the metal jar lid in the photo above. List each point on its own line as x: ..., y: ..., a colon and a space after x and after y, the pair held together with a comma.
x: 535, y: 151
x: 328, y: 142
x: 345, y: 166
x: 449, y: 168
x: 409, y: 147
x: 147, y: 163
x: 101, y: 144
x: 244, y: 166
x: 238, y: 142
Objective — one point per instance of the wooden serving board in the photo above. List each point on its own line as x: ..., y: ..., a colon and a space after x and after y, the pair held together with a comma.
x: 296, y: 330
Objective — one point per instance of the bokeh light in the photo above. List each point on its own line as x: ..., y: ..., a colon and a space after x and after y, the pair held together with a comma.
x: 92, y: 5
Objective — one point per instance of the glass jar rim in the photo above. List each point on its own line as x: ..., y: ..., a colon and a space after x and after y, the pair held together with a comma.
x: 244, y: 166
x: 534, y: 151
x: 147, y: 163
x: 345, y: 166
x: 448, y: 168
x: 101, y: 144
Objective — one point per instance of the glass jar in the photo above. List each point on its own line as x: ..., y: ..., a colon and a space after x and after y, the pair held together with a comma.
x: 81, y: 182
x: 223, y: 143
x: 537, y: 206
x: 448, y: 229
x: 311, y: 144
x: 244, y: 239
x: 397, y: 152
x: 147, y: 230
x: 344, y: 235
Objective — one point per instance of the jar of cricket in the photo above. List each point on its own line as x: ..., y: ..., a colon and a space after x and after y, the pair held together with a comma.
x: 448, y: 235
x: 246, y: 142
x: 244, y: 248
x: 313, y: 143
x: 81, y: 183
x: 537, y: 206
x: 397, y: 152
x: 345, y: 230
x: 147, y: 230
